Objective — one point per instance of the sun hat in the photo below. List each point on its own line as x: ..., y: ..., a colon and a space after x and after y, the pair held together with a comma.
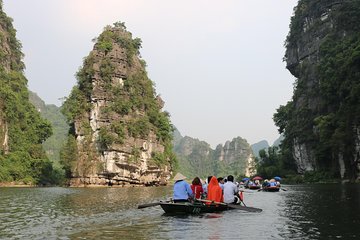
x: 179, y: 177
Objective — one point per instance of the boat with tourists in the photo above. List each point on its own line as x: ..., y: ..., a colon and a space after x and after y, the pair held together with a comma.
x: 254, y: 187
x: 271, y: 188
x: 254, y: 184
x: 197, y: 207
x: 189, y: 199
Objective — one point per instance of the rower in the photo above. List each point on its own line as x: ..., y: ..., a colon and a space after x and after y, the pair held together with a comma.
x: 182, y: 190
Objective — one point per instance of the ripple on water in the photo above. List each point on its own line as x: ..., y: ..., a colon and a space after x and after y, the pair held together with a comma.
x: 110, y: 213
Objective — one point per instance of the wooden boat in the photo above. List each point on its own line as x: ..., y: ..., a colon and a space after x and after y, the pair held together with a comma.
x: 254, y: 187
x: 193, y: 208
x: 271, y: 189
x: 198, y: 206
x: 201, y: 207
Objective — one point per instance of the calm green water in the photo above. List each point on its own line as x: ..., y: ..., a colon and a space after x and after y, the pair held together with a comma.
x: 328, y: 211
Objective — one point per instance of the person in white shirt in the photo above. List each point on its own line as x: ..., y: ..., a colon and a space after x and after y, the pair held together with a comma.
x: 231, y: 191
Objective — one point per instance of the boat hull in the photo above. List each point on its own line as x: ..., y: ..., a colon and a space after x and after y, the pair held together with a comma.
x: 271, y: 189
x: 189, y: 208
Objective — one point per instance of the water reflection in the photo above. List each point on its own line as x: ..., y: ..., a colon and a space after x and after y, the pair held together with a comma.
x: 303, y: 212
x: 328, y: 211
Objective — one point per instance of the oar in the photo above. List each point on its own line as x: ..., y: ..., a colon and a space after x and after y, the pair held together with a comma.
x: 241, y: 197
x: 243, y: 202
x: 283, y: 189
x: 151, y: 204
x: 213, y: 202
x: 245, y: 191
x: 248, y: 209
x: 244, y: 208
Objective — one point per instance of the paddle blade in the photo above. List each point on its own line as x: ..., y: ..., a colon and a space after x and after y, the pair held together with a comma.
x: 148, y: 205
x: 247, y: 209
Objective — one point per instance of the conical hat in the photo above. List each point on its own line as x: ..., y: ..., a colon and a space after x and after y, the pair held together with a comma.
x: 179, y: 177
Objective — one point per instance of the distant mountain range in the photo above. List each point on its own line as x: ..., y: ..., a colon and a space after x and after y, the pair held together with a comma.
x: 263, y: 144
x: 195, y: 157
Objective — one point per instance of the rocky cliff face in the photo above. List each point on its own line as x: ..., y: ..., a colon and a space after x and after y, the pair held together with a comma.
x: 233, y: 150
x: 121, y: 134
x: 195, y: 157
x: 235, y: 155
x: 4, y: 135
x: 322, y: 44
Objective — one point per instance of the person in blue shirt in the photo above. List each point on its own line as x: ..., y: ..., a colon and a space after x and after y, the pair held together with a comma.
x: 182, y: 190
x: 221, y: 182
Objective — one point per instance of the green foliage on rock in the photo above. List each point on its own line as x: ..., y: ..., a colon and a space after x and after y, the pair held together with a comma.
x: 105, y: 139
x: 60, y: 128
x: 325, y: 110
x: 69, y: 155
x: 22, y: 158
x: 119, y: 130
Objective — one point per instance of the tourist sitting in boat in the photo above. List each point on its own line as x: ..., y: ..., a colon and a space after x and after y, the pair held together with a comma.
x: 196, y: 187
x: 215, y: 193
x: 182, y: 190
x: 231, y: 191
x: 205, y: 186
x: 266, y: 183
x: 272, y: 182
x: 253, y: 185
x: 221, y: 182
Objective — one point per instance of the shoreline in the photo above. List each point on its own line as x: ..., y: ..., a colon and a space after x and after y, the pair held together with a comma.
x: 14, y: 185
x: 8, y: 185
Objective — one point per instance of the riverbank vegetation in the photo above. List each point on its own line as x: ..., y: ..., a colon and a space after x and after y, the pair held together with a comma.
x: 271, y: 162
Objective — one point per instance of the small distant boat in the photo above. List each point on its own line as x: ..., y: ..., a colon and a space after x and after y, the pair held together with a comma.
x: 271, y: 189
x: 254, y: 187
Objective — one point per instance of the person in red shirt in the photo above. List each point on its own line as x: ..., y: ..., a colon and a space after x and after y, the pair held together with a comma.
x: 215, y: 192
x: 196, y: 187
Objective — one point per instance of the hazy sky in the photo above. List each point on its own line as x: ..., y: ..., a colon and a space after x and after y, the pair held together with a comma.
x: 217, y: 64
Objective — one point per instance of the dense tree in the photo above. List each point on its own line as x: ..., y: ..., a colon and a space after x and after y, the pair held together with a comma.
x: 22, y: 130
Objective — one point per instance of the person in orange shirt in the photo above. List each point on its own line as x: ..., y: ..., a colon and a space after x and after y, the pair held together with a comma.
x: 215, y: 192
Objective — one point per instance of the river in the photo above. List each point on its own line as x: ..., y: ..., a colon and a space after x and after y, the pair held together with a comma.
x: 322, y: 211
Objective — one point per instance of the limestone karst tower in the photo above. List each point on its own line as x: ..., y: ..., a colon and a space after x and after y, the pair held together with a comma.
x: 119, y: 134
